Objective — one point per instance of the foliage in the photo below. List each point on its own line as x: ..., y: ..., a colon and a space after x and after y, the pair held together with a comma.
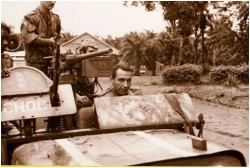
x: 132, y: 49
x: 206, y: 69
x: 169, y: 54
x: 232, y: 81
x: 227, y: 48
x: 66, y: 37
x: 229, y: 41
x: 187, y: 73
x: 222, y: 74
x: 243, y: 74
x: 185, y: 18
x: 186, y: 51
x: 225, y: 44
x: 151, y: 51
x: 181, y: 15
x: 138, y: 49
x: 114, y: 42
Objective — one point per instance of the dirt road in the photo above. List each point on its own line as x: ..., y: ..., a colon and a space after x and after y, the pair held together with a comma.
x: 226, y: 126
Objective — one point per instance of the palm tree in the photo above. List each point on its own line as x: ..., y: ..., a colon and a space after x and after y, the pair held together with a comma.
x: 133, y: 47
x: 115, y: 42
x: 66, y: 37
x: 152, y: 50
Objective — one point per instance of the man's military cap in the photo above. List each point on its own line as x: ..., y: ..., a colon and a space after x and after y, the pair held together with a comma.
x: 5, y: 27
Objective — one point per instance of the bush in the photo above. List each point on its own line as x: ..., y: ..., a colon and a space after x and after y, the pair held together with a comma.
x: 232, y: 81
x: 222, y: 74
x: 187, y: 73
x: 243, y: 74
x: 206, y: 69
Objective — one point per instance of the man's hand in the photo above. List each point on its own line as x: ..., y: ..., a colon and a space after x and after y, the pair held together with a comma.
x: 83, y: 101
x: 52, y: 42
x: 5, y: 73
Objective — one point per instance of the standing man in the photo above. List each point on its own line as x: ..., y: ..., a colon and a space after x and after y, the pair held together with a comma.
x: 40, y: 29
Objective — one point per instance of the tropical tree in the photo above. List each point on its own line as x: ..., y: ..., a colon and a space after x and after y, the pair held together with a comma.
x: 66, y: 37
x: 133, y: 49
x: 223, y: 45
x: 185, y: 18
x: 151, y: 51
x: 170, y: 48
x: 242, y: 30
x: 114, y: 42
x: 228, y: 42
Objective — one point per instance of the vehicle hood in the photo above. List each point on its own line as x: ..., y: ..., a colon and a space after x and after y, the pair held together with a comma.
x: 113, y: 149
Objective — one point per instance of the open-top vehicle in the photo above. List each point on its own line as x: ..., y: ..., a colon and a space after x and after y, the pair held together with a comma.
x: 133, y: 130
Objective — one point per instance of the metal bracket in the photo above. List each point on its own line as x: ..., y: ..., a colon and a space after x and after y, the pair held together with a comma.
x: 200, y: 125
x: 199, y: 143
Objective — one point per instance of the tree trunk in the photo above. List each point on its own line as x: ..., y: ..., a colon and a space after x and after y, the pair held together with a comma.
x: 154, y: 68
x: 247, y: 54
x: 173, y: 32
x: 180, y: 53
x: 202, y: 46
x: 203, y: 23
x: 196, y: 41
x: 137, y: 66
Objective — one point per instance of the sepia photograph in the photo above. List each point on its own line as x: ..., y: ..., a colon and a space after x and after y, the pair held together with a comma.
x: 125, y: 83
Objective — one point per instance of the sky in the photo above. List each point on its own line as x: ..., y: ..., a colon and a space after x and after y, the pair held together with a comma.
x: 100, y: 18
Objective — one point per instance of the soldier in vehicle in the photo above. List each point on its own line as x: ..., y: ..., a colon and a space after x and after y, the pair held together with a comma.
x: 121, y: 86
x: 41, y: 30
x: 85, y: 88
x: 6, y: 60
x: 6, y: 63
x: 86, y: 46
x: 122, y: 79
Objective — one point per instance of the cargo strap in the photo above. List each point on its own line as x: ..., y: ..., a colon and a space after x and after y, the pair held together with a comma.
x: 176, y: 106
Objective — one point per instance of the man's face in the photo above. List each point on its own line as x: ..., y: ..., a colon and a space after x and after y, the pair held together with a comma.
x: 4, y: 40
x: 90, y: 50
x: 48, y: 5
x: 122, y: 82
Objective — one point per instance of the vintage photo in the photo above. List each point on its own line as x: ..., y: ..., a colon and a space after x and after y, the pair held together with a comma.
x: 125, y: 83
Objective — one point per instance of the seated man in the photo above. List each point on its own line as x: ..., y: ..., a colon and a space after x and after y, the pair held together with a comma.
x: 6, y: 60
x: 6, y: 63
x: 121, y: 86
x: 85, y: 46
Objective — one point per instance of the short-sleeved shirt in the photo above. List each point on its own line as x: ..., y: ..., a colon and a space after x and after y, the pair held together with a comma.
x: 38, y: 24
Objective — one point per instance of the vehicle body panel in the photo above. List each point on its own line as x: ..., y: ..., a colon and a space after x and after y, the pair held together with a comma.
x: 127, y: 111
x: 25, y: 80
x: 38, y: 105
x: 113, y: 149
x: 28, y: 98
